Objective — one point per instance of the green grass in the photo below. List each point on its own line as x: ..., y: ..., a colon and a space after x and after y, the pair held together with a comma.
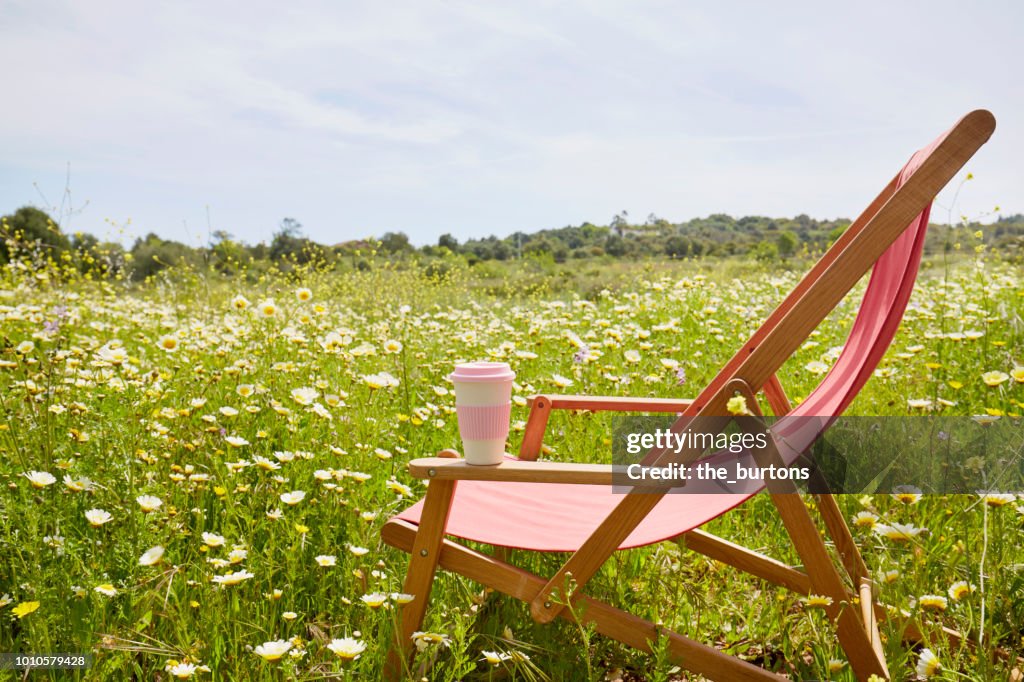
x: 89, y: 392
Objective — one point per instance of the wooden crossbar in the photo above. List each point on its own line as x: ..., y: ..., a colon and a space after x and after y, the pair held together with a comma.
x: 542, y: 405
x: 608, y: 620
x: 746, y: 560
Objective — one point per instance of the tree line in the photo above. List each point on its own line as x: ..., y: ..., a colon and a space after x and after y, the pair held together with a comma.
x: 30, y: 235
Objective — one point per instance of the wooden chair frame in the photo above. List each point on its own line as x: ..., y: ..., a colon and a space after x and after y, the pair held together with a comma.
x: 854, y: 608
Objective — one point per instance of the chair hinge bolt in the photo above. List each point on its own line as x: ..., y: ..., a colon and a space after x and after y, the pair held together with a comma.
x: 547, y: 605
x: 431, y: 472
x: 423, y: 552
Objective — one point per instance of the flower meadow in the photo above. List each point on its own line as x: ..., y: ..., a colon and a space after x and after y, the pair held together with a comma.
x: 194, y: 471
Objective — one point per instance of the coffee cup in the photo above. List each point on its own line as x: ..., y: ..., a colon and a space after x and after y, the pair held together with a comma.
x: 483, y: 406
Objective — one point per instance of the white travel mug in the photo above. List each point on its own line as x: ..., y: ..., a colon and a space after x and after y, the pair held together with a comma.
x: 483, y: 405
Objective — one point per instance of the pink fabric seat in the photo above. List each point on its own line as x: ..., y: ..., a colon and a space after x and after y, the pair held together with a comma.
x: 560, y: 517
x: 557, y: 517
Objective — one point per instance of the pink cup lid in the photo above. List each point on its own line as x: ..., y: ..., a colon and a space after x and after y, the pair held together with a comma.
x: 482, y: 371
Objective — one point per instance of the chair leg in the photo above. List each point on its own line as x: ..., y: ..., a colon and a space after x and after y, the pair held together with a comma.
x: 827, y: 506
x: 419, y: 579
x: 864, y: 653
x: 859, y: 639
x: 832, y: 515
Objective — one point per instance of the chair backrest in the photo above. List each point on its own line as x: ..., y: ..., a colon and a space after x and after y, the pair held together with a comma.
x: 887, y: 238
x: 880, y: 313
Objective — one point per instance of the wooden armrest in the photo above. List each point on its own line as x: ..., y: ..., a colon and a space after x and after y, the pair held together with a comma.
x: 443, y: 468
x: 541, y: 406
x: 609, y: 403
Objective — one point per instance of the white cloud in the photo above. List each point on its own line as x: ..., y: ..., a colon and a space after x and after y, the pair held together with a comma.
x: 477, y: 118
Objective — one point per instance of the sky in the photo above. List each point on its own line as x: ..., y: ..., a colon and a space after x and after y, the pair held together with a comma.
x: 480, y: 118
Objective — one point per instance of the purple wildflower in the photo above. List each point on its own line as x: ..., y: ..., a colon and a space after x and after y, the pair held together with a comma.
x: 680, y: 375
x: 53, y: 326
x: 582, y: 355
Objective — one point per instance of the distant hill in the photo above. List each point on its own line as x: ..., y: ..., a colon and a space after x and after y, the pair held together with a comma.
x: 30, y: 235
x: 718, y: 235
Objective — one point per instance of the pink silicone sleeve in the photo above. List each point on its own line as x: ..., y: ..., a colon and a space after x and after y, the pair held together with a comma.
x: 484, y: 422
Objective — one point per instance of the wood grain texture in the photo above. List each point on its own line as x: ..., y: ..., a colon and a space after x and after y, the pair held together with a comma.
x: 542, y: 405
x: 846, y: 546
x: 748, y: 561
x: 425, y: 554
x: 612, y: 622
x: 437, y: 469
x: 860, y: 643
x: 826, y: 581
x: 777, y: 398
x: 607, y: 403
x: 867, y: 611
x: 536, y: 425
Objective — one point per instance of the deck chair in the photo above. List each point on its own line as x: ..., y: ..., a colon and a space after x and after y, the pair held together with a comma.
x: 566, y: 507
